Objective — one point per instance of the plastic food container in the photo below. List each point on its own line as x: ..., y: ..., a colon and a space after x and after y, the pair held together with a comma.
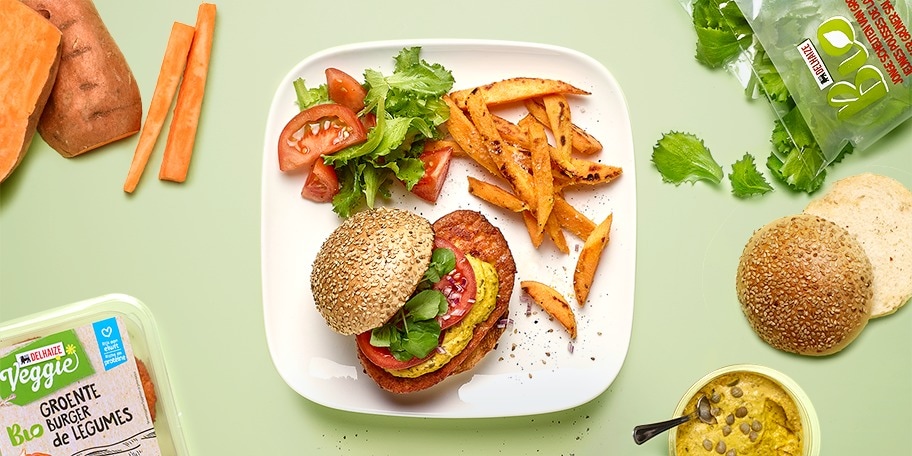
x: 87, y: 378
x: 755, y: 407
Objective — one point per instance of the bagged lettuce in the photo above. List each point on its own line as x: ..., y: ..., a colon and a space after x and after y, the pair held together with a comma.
x: 837, y: 73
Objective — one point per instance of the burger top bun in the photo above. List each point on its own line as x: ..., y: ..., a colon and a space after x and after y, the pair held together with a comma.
x: 877, y: 210
x: 368, y: 268
x: 805, y: 285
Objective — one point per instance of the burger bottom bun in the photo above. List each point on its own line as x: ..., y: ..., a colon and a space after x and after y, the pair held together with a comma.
x: 470, y: 232
x: 877, y: 210
x: 805, y: 285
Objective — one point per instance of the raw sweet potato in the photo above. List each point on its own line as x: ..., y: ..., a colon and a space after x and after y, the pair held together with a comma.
x: 95, y: 99
x: 30, y: 46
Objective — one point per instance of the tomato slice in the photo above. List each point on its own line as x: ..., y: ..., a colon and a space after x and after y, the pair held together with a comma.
x: 322, y: 184
x: 318, y: 130
x: 436, y: 166
x: 382, y: 357
x: 344, y: 89
x: 459, y: 286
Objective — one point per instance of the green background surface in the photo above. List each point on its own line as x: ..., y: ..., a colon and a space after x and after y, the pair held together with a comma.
x: 191, y: 251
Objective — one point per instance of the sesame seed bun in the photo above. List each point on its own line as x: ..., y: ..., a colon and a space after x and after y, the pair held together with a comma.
x: 877, y: 210
x: 805, y: 285
x: 369, y: 266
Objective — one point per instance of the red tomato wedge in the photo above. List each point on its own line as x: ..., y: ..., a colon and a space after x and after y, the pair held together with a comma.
x: 322, y: 184
x: 459, y: 286
x: 382, y: 357
x: 344, y: 89
x: 436, y: 167
x: 318, y: 130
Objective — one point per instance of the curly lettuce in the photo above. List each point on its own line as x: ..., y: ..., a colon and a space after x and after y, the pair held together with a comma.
x: 682, y: 157
x: 722, y: 31
x: 409, y: 108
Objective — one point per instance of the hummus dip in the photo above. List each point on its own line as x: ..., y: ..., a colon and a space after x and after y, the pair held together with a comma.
x: 754, y: 415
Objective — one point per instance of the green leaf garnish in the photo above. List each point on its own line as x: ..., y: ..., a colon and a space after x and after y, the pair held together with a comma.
x: 746, y: 180
x: 682, y: 157
x: 443, y: 261
x: 414, y: 331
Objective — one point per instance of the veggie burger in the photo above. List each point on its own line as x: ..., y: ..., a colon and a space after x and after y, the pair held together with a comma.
x: 423, y: 301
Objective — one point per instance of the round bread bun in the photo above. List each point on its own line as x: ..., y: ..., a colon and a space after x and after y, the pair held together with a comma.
x: 805, y: 285
x: 369, y: 266
x: 877, y: 210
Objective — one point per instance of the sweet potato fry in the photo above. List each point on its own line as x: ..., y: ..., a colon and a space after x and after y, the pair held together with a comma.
x: 495, y: 195
x: 583, y: 142
x: 552, y: 302
x: 505, y: 156
x: 585, y: 172
x: 542, y: 179
x: 169, y: 77
x: 184, y: 123
x: 511, y: 132
x: 515, y: 89
x: 589, y: 259
x: 535, y: 235
x: 571, y: 219
x: 559, y: 119
x: 470, y: 141
x: 553, y: 228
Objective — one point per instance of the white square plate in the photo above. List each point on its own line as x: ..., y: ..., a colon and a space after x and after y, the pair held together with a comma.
x: 535, y: 368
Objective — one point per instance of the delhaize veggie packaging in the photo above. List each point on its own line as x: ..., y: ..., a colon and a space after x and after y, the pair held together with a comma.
x: 86, y: 379
x: 838, y: 73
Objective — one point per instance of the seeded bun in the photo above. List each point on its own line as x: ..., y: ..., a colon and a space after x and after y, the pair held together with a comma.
x: 368, y: 268
x: 805, y: 285
x: 877, y: 210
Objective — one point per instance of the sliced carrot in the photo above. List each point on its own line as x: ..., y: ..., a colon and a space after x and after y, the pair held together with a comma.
x: 169, y: 77
x: 182, y: 132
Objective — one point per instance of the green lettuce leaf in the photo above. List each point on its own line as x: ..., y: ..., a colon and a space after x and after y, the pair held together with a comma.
x: 307, y: 97
x: 722, y: 31
x: 797, y: 160
x: 682, y: 157
x: 746, y: 181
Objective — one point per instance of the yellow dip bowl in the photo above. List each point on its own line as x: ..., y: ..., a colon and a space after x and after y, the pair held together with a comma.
x: 758, y: 411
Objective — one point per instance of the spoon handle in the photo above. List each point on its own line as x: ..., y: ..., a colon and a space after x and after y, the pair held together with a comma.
x: 645, y: 432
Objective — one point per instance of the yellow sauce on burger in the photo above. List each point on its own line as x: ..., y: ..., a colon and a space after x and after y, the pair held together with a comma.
x: 457, y: 337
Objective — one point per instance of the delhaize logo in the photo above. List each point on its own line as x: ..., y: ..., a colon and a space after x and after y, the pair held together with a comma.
x: 42, y: 367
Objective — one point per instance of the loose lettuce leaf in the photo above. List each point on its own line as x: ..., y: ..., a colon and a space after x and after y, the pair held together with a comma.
x: 746, y: 181
x: 682, y: 157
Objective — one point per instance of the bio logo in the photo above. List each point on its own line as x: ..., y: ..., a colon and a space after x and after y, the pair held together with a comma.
x: 837, y: 39
x: 19, y: 435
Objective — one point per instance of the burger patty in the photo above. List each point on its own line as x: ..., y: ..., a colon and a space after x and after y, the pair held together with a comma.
x: 470, y: 232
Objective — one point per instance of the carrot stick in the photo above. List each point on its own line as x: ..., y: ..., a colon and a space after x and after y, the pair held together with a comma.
x: 182, y: 132
x: 168, y: 79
